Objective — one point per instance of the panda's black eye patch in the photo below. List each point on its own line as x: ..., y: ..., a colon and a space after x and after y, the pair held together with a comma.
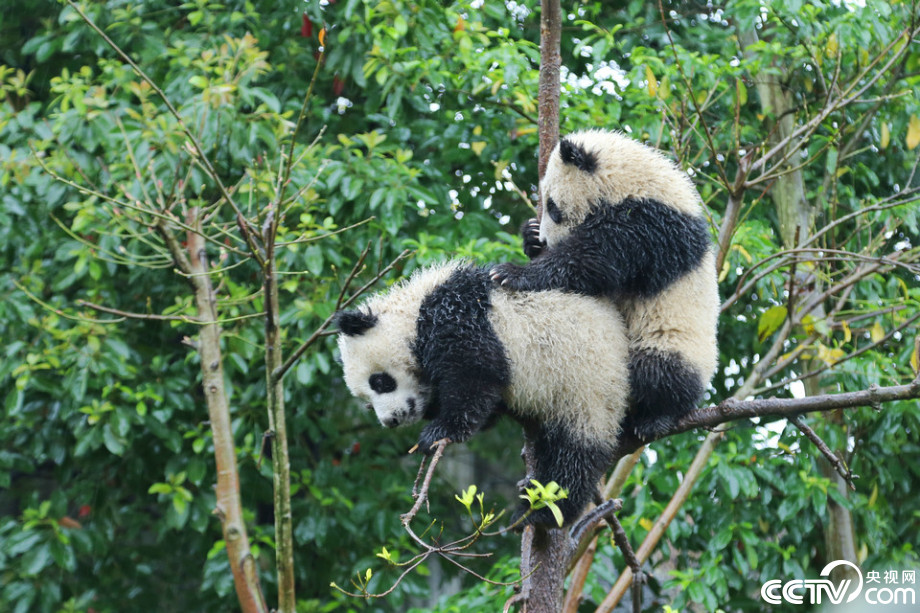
x: 382, y: 383
x: 552, y: 209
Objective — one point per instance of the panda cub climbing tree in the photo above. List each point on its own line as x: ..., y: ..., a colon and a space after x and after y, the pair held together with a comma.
x: 621, y: 221
x: 451, y: 347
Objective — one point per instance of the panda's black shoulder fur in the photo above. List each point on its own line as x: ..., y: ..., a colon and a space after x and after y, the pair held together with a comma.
x: 638, y: 248
x: 460, y: 356
x: 657, y: 243
x: 453, y: 325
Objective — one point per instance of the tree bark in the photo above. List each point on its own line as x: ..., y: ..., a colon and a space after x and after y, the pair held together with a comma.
x: 281, y: 464
x: 545, y: 552
x: 229, y: 507
x: 548, y: 94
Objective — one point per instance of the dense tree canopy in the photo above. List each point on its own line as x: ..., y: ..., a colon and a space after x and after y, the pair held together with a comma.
x: 416, y: 128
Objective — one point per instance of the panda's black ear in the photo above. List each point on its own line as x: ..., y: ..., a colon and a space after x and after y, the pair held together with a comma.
x: 575, y: 154
x: 355, y: 323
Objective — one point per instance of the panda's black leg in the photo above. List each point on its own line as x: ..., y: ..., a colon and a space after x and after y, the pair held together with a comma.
x: 664, y: 388
x: 571, y: 461
x: 466, y: 407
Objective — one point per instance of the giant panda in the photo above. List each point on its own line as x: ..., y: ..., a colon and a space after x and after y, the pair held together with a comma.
x: 622, y: 221
x: 449, y: 346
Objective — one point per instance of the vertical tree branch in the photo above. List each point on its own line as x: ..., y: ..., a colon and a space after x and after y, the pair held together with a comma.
x: 229, y: 507
x: 548, y: 101
x: 281, y: 464
x: 796, y: 215
x: 549, y: 563
x: 545, y: 552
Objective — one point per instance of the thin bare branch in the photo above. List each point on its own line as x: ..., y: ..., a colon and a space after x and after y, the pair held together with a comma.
x: 199, y: 151
x: 732, y: 409
x: 838, y: 464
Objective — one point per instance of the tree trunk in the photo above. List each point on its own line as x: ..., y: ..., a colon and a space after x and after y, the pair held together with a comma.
x: 548, y: 94
x: 229, y: 507
x: 545, y: 552
x: 281, y: 465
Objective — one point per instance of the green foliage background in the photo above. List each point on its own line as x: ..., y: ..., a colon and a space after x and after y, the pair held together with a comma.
x: 424, y: 118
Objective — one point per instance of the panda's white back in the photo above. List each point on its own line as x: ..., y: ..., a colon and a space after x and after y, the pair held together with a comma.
x: 567, y: 351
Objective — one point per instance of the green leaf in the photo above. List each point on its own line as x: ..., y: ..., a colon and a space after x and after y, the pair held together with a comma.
x: 557, y: 513
x: 314, y: 259
x: 722, y: 539
x: 160, y: 488
x: 114, y: 443
x: 36, y: 559
x: 22, y: 541
x: 400, y: 25
x: 770, y: 322
x: 199, y: 81
x: 468, y: 496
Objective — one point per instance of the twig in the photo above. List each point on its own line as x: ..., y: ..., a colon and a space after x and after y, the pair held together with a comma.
x: 579, y: 575
x: 638, y: 577
x: 697, y: 108
x: 267, y: 436
x: 677, y: 500
x: 150, y: 316
x: 846, y: 358
x: 836, y: 462
x: 61, y: 313
x: 195, y: 144
x: 592, y: 518
x: 421, y: 494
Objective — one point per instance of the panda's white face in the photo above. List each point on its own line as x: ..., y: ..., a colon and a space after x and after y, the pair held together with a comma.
x: 552, y: 227
x: 397, y: 397
x: 379, y: 368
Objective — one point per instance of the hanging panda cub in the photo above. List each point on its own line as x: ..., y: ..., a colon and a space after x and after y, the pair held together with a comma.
x: 622, y: 221
x: 450, y: 347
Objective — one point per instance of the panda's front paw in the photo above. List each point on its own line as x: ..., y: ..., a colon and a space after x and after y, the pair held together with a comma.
x: 431, y: 435
x: 507, y: 275
x: 530, y: 232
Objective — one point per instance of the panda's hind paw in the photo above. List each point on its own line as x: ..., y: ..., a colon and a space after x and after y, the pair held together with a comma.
x: 652, y: 429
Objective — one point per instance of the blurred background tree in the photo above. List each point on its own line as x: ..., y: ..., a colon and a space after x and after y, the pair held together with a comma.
x: 421, y: 134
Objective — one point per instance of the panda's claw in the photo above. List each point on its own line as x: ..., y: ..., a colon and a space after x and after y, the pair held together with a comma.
x: 506, y: 275
x: 530, y: 233
x: 650, y: 429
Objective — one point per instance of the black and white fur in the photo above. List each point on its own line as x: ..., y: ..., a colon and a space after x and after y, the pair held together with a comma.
x: 449, y: 346
x: 622, y: 221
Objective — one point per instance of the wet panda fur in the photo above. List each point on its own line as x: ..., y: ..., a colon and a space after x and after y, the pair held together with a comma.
x: 450, y: 347
x: 624, y: 222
